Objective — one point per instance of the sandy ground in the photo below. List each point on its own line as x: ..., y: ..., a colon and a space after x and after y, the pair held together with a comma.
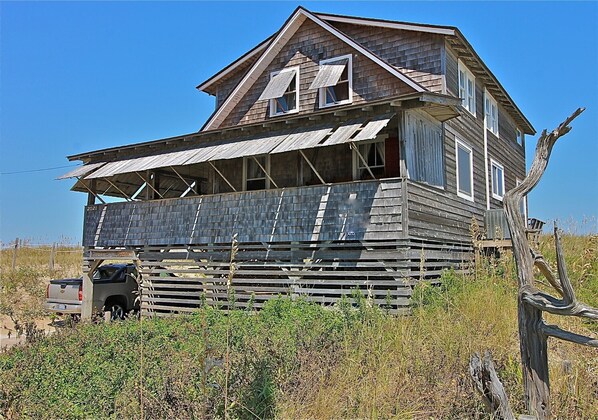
x: 8, y: 335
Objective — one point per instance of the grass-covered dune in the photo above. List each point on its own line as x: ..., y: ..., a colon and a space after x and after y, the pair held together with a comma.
x: 294, y: 359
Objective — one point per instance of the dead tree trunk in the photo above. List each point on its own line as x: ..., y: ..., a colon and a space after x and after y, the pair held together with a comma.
x: 533, y: 332
x: 489, y: 387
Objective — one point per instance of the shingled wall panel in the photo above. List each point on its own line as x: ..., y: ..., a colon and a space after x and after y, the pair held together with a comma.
x: 350, y: 211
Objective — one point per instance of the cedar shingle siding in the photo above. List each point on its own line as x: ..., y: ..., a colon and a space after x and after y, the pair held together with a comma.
x: 306, y: 48
x: 416, y: 54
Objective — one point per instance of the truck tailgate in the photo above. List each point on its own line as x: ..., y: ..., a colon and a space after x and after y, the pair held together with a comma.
x: 64, y: 291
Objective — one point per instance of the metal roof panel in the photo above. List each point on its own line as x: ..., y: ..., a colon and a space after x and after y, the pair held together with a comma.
x: 81, y: 170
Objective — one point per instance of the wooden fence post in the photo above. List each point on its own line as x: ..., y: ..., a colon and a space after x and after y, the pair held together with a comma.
x: 52, y: 257
x: 14, y: 254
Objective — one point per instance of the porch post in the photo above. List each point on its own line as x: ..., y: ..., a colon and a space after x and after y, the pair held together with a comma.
x: 87, y: 303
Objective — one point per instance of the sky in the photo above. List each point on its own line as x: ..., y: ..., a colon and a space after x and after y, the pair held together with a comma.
x: 81, y: 76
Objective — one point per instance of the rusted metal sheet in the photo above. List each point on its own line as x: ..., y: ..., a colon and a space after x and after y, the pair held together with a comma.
x: 329, y: 74
x: 344, y: 133
x: 302, y: 140
x: 81, y: 170
x: 277, y: 85
x: 372, y: 128
x: 250, y: 147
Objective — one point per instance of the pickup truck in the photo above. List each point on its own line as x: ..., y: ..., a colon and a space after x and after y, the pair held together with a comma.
x: 115, y: 292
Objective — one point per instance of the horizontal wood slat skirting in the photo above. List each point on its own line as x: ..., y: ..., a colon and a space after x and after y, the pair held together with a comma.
x: 181, y: 279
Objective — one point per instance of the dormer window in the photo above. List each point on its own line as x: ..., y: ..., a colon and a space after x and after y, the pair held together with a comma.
x: 467, y: 88
x: 334, y: 81
x: 282, y: 91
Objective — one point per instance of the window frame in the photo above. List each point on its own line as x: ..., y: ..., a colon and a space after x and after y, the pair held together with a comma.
x: 494, y: 164
x: 490, y: 121
x: 462, y: 68
x: 322, y: 91
x: 272, y: 102
x: 519, y: 137
x: 468, y: 148
x: 246, y: 167
x: 357, y: 161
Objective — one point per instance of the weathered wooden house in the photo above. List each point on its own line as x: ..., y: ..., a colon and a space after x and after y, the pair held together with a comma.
x: 343, y: 152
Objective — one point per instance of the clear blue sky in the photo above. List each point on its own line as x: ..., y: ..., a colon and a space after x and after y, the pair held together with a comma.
x: 76, y: 77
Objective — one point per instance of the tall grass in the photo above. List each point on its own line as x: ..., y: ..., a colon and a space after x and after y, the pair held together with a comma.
x: 294, y: 359
x: 22, y: 289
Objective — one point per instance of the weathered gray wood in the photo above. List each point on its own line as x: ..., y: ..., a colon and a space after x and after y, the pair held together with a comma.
x: 87, y: 304
x: 488, y: 385
x: 52, y: 257
x: 14, y: 254
x: 533, y: 332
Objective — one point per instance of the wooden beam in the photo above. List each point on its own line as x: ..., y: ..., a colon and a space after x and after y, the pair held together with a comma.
x: 354, y: 147
x: 312, y: 167
x: 265, y: 171
x: 183, y: 179
x: 91, y: 191
x: 149, y: 184
x: 119, y: 190
x: 223, y: 177
x: 87, y: 303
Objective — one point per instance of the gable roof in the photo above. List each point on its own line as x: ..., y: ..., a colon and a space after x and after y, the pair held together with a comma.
x: 455, y: 39
x: 274, y: 47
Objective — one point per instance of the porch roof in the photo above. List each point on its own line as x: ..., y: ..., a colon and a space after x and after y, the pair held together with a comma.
x: 271, y: 143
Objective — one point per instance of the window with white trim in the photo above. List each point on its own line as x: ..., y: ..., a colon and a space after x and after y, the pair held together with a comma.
x: 467, y: 88
x: 498, y: 180
x: 519, y: 137
x: 491, y: 113
x: 371, y: 153
x: 464, y: 159
x: 288, y: 102
x: 335, y: 81
x: 254, y: 177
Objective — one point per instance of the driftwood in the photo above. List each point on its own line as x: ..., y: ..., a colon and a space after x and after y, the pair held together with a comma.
x: 489, y: 386
x: 533, y: 331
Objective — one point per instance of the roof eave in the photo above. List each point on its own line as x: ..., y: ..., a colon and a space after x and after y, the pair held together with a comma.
x: 205, y: 85
x: 527, y: 127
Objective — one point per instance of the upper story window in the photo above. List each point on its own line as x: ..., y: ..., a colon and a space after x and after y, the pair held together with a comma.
x: 491, y: 113
x: 467, y: 88
x: 498, y: 180
x: 519, y: 137
x: 283, y: 91
x: 370, y: 155
x: 255, y: 172
x: 334, y: 81
x: 464, y: 158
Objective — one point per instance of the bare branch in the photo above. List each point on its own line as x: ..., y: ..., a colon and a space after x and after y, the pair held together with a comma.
x: 554, y: 331
x: 543, y: 150
x: 542, y: 265
x: 547, y: 303
x: 568, y: 293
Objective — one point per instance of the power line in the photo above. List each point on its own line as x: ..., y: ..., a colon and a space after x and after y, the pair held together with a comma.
x: 38, y: 170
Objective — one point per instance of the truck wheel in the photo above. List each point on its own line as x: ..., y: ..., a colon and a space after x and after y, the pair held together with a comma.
x: 117, y: 312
